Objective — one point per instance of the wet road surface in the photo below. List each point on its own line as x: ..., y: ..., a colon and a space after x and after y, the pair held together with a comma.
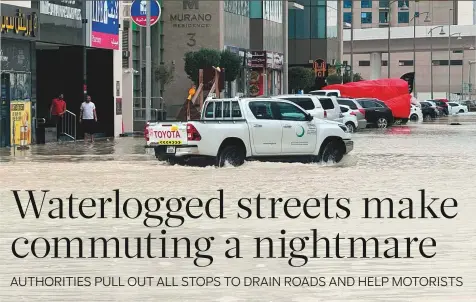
x: 396, y: 163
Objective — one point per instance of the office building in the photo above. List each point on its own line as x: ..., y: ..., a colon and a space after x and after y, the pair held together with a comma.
x: 428, y: 24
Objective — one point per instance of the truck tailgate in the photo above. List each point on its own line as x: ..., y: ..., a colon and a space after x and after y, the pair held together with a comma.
x: 171, y: 134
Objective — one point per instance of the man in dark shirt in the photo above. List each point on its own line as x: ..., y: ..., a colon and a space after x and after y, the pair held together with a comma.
x: 57, y: 110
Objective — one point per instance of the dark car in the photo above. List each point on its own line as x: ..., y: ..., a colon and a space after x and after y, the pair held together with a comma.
x: 442, y: 106
x: 377, y: 112
x: 428, y: 111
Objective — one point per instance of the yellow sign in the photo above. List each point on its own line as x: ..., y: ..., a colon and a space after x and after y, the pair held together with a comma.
x: 170, y: 142
x: 20, y: 122
x: 20, y: 23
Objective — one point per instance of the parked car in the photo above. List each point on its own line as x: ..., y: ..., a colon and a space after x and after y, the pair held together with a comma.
x: 232, y: 130
x: 376, y: 112
x: 416, y: 113
x: 434, y: 106
x: 428, y: 110
x: 335, y: 93
x: 356, y: 108
x: 349, y: 119
x: 455, y: 108
x: 442, y: 106
x: 317, y: 106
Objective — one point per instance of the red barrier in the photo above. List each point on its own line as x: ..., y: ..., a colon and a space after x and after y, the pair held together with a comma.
x: 393, y: 92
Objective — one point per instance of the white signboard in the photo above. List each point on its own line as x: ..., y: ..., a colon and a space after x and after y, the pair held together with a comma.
x: 62, y: 11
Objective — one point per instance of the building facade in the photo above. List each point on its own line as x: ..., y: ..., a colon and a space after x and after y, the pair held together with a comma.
x: 58, y: 47
x: 315, y: 34
x: 419, y: 25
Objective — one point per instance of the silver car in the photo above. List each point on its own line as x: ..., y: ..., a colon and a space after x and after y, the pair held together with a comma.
x: 357, y: 108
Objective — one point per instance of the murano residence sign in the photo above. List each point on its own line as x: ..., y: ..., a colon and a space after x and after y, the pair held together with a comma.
x: 191, y: 17
x: 17, y: 24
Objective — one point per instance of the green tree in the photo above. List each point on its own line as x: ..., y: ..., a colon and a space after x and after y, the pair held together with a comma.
x: 334, y: 79
x: 201, y: 59
x: 357, y: 77
x: 231, y: 62
x: 300, y: 78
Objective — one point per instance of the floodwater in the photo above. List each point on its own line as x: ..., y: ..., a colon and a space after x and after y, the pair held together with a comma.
x: 394, y: 163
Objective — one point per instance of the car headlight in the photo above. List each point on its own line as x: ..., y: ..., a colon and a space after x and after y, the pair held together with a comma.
x: 343, y: 127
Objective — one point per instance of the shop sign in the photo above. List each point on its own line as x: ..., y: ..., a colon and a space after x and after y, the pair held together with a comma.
x: 68, y: 9
x: 20, y: 122
x: 20, y: 24
x: 258, y: 59
x: 191, y: 17
x: 278, y: 61
x: 105, y: 24
x: 320, y: 68
x: 269, y: 59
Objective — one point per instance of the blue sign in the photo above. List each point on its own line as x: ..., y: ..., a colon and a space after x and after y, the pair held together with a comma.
x: 105, y: 25
x: 139, y: 12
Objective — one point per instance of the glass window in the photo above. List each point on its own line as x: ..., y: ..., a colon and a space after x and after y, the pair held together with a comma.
x: 366, y: 18
x: 218, y: 109
x: 331, y: 17
x: 261, y: 110
x: 326, y: 103
x: 343, y: 109
x: 226, y: 109
x: 272, y: 10
x: 349, y: 103
x: 366, y: 4
x: 401, y: 3
x: 364, y: 63
x: 321, y: 34
x: 209, y: 110
x: 256, y: 9
x: 290, y: 112
x: 347, y: 3
x: 318, y: 92
x: 405, y: 63
x: 333, y: 94
x: 348, y: 17
x: 383, y: 3
x: 303, y: 23
x: 235, y: 109
x: 403, y: 17
x: 305, y: 103
x: 292, y: 24
x: 383, y: 17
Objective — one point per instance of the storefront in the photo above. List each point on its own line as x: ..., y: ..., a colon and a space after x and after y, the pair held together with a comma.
x: 265, y: 76
x: 20, y: 30
x: 239, y: 86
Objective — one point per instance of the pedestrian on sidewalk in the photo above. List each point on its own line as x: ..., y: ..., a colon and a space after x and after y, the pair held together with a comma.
x: 88, y: 118
x: 57, y: 110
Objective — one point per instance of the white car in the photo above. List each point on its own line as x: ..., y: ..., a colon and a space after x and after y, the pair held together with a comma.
x: 415, y: 114
x: 350, y: 118
x: 335, y: 93
x: 232, y: 130
x: 325, y: 107
x: 455, y: 108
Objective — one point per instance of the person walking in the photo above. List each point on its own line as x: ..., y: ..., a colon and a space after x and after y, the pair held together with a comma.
x: 57, y: 110
x: 88, y: 118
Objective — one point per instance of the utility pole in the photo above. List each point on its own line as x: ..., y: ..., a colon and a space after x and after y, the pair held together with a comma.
x: 285, y: 46
x: 148, y: 63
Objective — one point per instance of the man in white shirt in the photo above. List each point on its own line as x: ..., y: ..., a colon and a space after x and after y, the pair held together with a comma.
x: 88, y: 117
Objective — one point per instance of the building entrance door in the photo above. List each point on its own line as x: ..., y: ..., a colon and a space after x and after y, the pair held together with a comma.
x: 5, y: 109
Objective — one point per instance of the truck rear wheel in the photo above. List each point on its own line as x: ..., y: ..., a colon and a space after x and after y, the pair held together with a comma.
x: 232, y: 154
x: 333, y: 152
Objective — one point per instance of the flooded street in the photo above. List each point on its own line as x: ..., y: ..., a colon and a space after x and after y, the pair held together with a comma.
x: 395, y: 163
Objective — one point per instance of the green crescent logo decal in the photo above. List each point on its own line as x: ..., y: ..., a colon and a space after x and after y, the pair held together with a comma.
x: 301, y: 134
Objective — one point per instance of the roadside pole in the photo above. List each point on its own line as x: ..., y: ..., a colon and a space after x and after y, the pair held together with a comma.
x: 148, y: 68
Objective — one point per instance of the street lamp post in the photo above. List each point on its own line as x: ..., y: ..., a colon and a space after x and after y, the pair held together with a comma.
x: 403, y: 8
x: 442, y: 32
x: 470, y: 85
x: 427, y: 19
x: 462, y: 72
x: 449, y: 60
x: 148, y: 63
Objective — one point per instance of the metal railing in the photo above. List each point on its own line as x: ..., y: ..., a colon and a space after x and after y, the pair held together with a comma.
x: 68, y: 125
x: 158, y: 109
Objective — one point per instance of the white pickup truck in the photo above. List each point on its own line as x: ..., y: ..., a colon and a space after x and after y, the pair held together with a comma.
x: 232, y: 130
